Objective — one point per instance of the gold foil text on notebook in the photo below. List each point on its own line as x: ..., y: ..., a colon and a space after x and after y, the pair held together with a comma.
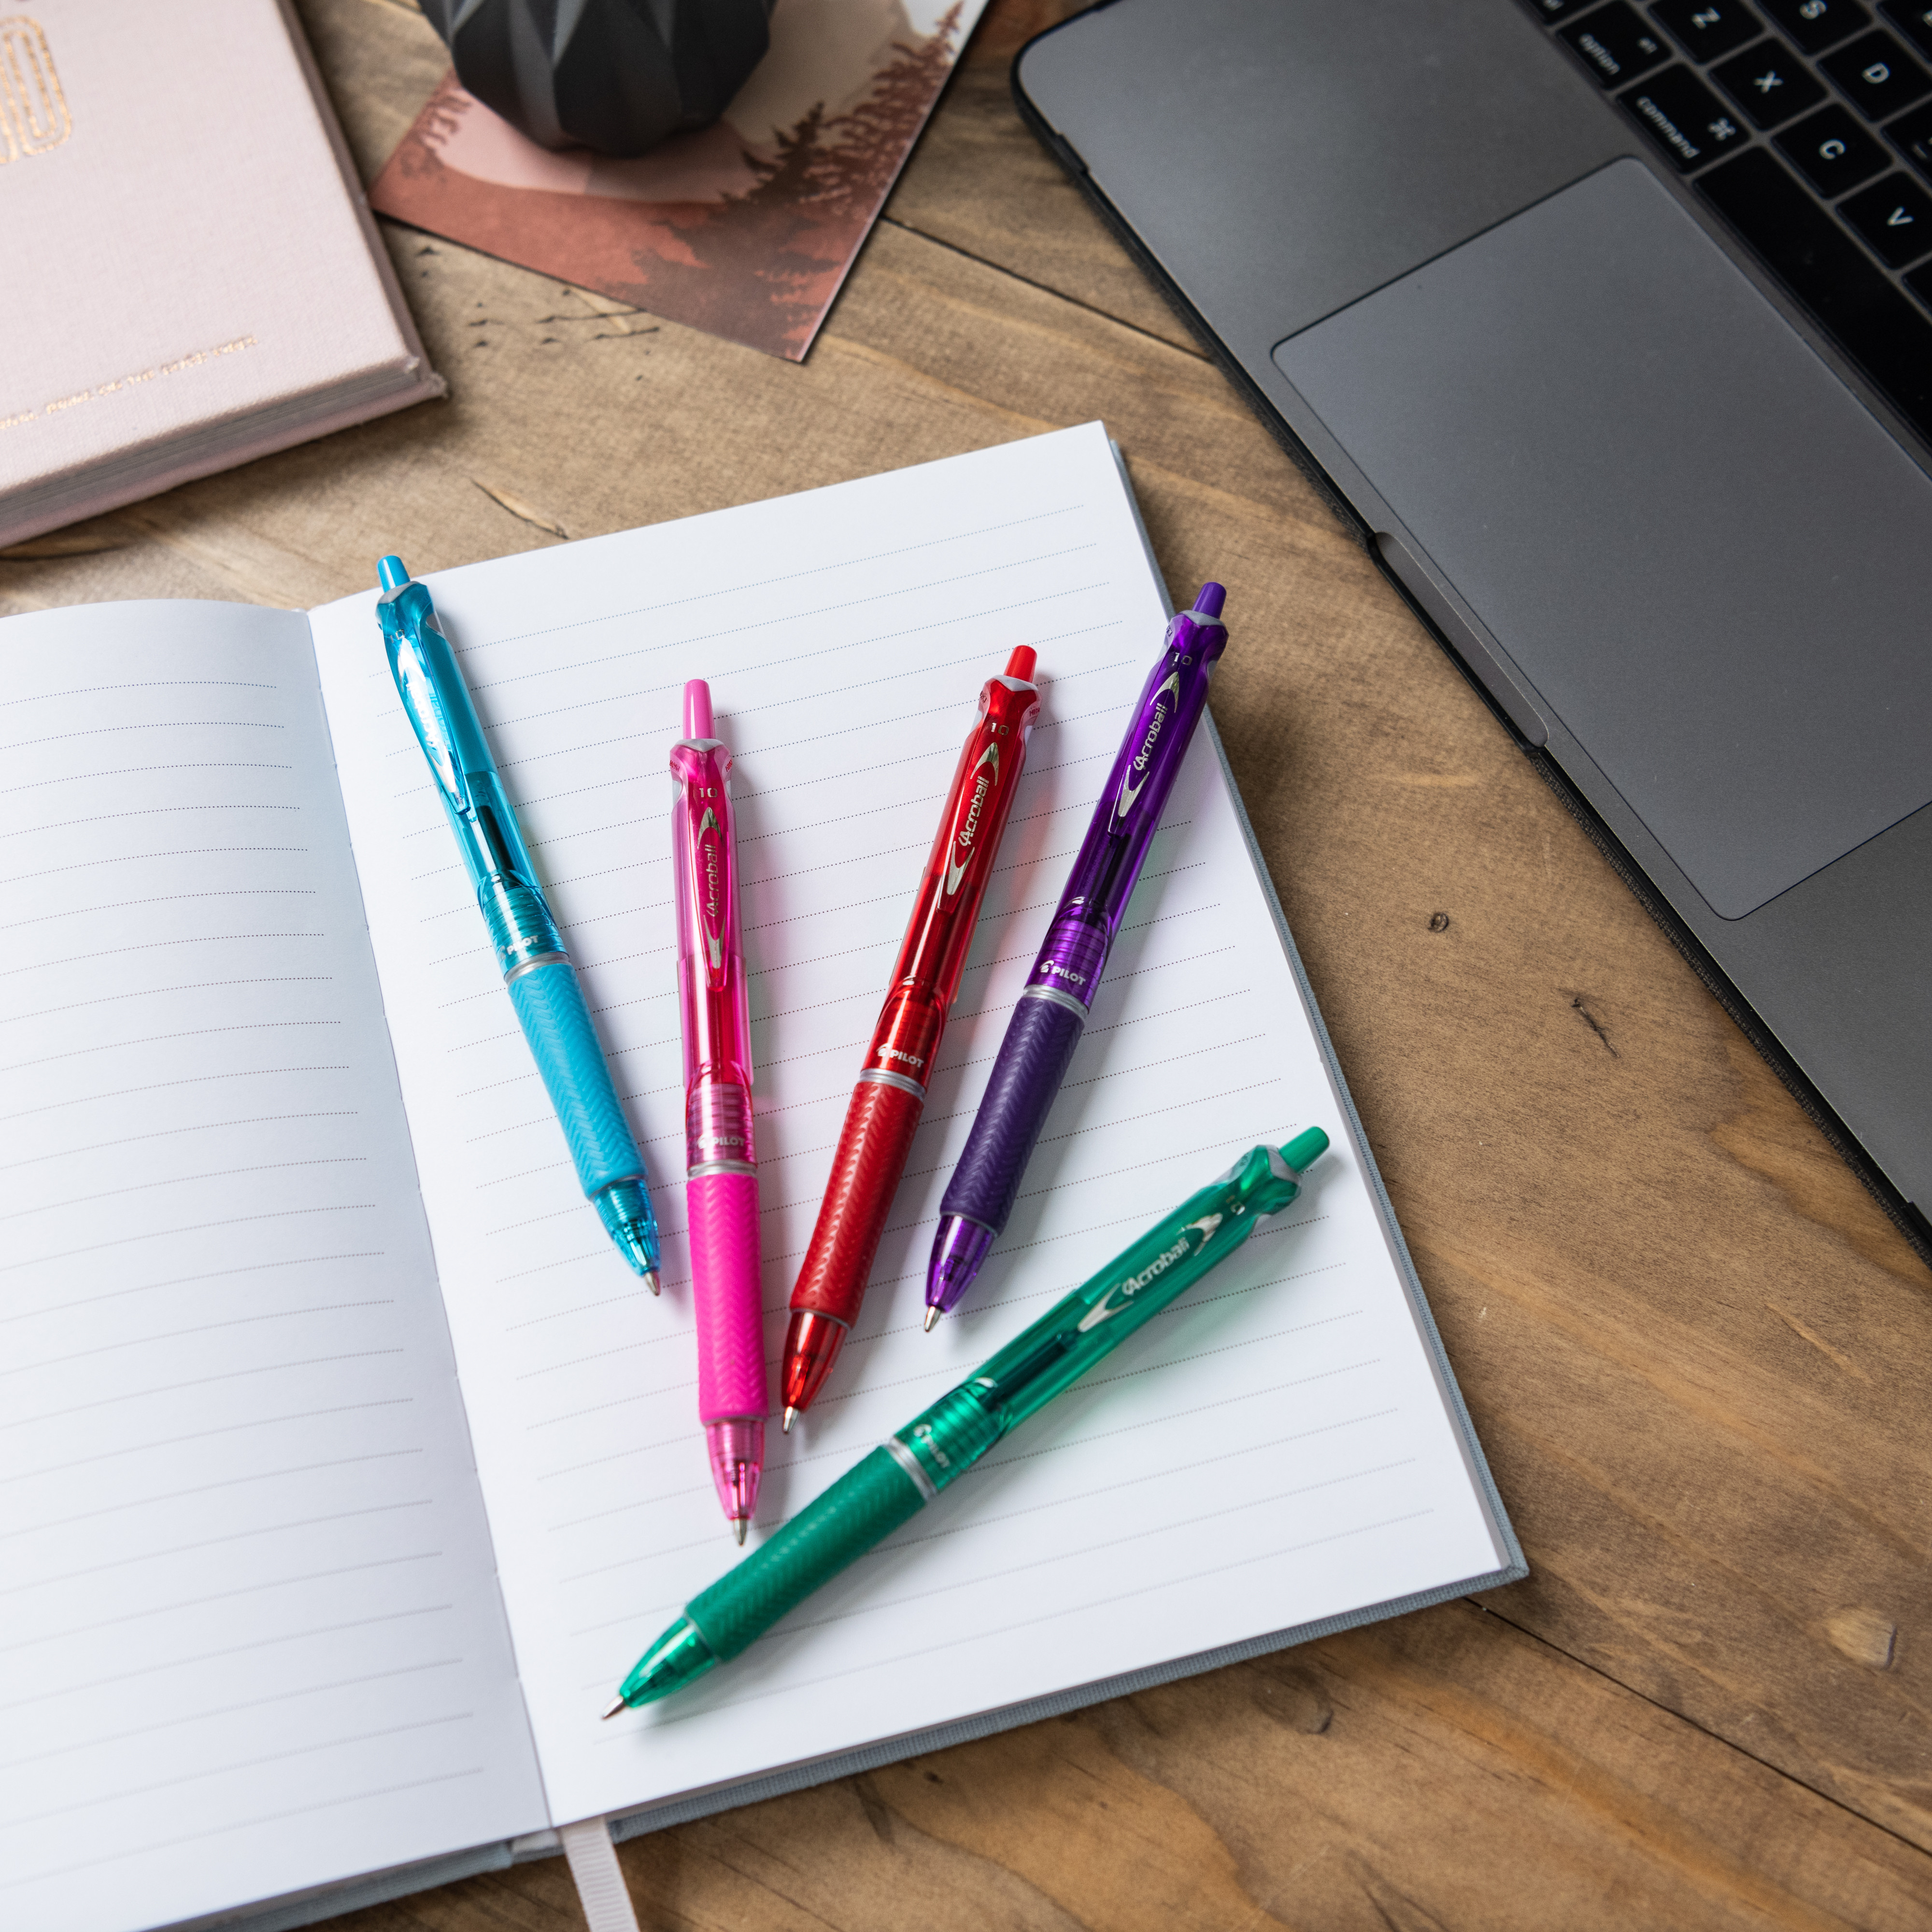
x: 34, y: 115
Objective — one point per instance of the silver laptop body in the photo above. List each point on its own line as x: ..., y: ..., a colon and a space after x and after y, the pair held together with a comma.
x: 1666, y: 500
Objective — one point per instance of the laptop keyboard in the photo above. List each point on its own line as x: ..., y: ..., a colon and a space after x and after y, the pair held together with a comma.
x: 1806, y: 124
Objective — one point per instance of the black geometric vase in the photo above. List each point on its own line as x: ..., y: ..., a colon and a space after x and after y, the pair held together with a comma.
x: 617, y: 75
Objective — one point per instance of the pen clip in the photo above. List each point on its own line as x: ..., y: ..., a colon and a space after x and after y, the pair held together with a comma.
x: 712, y: 865
x: 404, y: 618
x: 701, y: 768
x: 1157, y: 714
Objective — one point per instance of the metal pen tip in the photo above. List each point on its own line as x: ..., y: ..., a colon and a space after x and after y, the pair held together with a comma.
x: 931, y: 1316
x: 785, y: 1426
x: 652, y: 1283
x: 617, y: 1704
x: 738, y: 1530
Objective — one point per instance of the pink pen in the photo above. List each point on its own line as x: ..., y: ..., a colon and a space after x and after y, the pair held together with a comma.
x: 721, y: 1193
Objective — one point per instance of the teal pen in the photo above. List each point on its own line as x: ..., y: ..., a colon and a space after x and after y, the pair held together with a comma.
x: 898, y: 1479
x: 530, y: 949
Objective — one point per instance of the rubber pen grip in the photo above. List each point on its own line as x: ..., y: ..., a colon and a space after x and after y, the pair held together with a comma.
x: 873, y: 1144
x: 723, y: 1212
x: 1032, y: 1062
x: 863, y: 1507
x: 550, y: 1006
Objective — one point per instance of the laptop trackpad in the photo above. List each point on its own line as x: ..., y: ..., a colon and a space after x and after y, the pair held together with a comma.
x: 1713, y: 565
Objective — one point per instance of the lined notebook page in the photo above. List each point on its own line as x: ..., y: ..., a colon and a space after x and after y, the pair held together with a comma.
x: 250, y: 1640
x: 1275, y: 1450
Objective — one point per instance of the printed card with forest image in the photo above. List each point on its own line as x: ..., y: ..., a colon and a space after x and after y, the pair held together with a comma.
x: 746, y: 229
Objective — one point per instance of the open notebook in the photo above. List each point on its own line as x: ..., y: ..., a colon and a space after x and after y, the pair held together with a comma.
x: 344, y: 1469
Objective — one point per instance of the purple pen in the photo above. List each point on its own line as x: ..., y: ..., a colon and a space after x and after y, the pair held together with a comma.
x: 1052, y: 1009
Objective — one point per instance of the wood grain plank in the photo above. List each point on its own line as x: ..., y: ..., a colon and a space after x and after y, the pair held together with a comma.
x: 980, y: 183
x: 1445, y: 1770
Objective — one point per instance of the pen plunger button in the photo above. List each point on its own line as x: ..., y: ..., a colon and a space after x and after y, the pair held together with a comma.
x: 390, y: 575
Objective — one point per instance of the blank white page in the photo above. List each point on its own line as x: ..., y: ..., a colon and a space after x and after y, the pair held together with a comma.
x: 1276, y: 1450
x: 250, y: 1638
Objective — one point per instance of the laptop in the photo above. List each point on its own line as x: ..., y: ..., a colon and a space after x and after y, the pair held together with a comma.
x: 1607, y: 328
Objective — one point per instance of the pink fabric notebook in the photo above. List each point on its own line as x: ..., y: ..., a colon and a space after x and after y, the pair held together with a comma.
x: 195, y: 278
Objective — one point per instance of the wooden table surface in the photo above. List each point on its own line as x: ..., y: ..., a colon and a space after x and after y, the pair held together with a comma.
x: 1699, y: 1356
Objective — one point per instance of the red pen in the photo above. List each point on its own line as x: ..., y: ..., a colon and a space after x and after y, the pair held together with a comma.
x: 890, y: 1096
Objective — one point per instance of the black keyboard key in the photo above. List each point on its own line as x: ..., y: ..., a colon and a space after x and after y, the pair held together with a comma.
x: 1913, y: 19
x: 1832, y: 151
x: 1616, y: 44
x: 1551, y: 10
x: 1706, y: 28
x: 1770, y: 83
x: 1911, y: 135
x: 1877, y: 75
x: 1815, y: 24
x: 1830, y: 275
x: 1683, y: 118
x: 1895, y: 216
x: 1920, y: 283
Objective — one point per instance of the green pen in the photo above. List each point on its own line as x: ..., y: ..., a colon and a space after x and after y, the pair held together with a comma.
x: 898, y: 1479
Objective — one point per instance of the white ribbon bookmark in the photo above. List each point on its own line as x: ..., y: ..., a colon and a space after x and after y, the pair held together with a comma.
x: 600, y: 1879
